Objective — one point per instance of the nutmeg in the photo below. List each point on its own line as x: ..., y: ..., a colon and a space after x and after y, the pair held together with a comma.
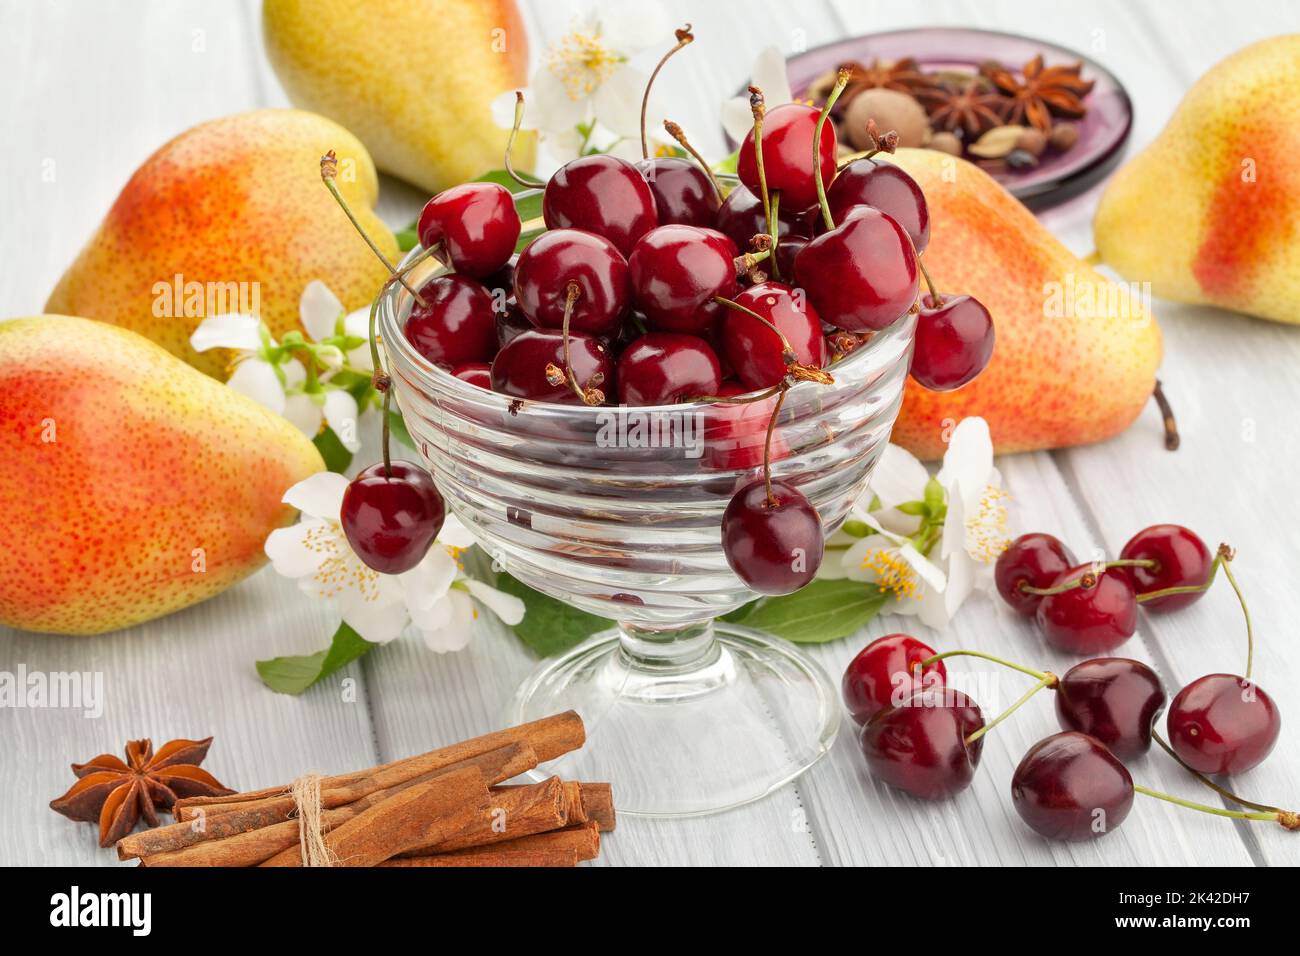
x: 891, y: 110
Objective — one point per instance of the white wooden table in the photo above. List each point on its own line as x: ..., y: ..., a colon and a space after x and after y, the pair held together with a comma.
x: 93, y: 88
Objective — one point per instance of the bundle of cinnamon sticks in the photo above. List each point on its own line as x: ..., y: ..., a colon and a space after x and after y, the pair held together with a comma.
x: 447, y: 807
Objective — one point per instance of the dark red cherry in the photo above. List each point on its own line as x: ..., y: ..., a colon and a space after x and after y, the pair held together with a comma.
x: 1184, y: 561
x: 476, y: 373
x: 735, y: 434
x: 1034, y: 559
x: 683, y: 192
x: 774, y: 546
x: 601, y: 194
x: 787, y: 155
x: 1114, y: 699
x: 919, y: 745
x: 392, y: 515
x: 1089, y: 619
x: 560, y: 256
x: 676, y: 270
x: 661, y: 368
x: 519, y: 369
x: 1070, y: 787
x: 885, y: 673
x: 456, y: 324
x: 787, y: 250
x: 861, y: 275
x: 865, y: 182
x: 501, y: 285
x: 954, y: 341
x: 754, y: 351
x: 1223, y: 724
x: 509, y: 324
x: 477, y: 224
x: 741, y: 218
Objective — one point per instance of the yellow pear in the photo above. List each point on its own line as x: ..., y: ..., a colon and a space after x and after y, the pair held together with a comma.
x: 1075, y: 356
x: 1210, y: 211
x: 230, y: 216
x: 414, y: 79
x: 133, y: 485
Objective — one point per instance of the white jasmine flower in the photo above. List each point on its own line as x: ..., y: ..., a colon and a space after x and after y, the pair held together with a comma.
x: 769, y: 76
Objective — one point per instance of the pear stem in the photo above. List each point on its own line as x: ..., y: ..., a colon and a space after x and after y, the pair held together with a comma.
x: 684, y: 38
x: 677, y: 133
x: 1172, y: 439
x: 1049, y: 680
x: 841, y: 80
x: 510, y: 145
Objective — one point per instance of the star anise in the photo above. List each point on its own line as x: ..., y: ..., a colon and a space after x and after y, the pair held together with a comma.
x: 902, y: 75
x: 1041, y: 93
x: 118, y: 794
x: 972, y: 107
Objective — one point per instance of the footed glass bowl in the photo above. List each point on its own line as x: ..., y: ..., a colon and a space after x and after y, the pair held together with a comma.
x: 618, y: 512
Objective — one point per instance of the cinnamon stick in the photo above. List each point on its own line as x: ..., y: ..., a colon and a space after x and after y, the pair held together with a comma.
x: 558, y: 848
x: 261, y: 827
x: 514, y: 812
x: 549, y: 738
x: 586, y: 801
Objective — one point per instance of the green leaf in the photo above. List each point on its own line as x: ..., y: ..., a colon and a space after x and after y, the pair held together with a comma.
x: 934, y: 496
x: 912, y: 507
x: 821, y: 612
x: 549, y: 626
x: 408, y: 238
x: 856, y: 528
x: 530, y: 207
x: 293, y: 675
x: 337, y: 458
x: 728, y: 163
x: 397, y: 428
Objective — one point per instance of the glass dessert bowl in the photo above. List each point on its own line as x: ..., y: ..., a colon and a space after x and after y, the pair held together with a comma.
x: 617, y: 511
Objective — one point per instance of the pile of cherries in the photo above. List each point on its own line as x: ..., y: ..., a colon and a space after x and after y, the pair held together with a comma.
x: 924, y: 737
x: 651, y: 287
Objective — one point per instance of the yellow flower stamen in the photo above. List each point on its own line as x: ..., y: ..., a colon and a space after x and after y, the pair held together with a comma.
x: 894, y: 573
x: 986, y: 530
x: 341, y: 570
x: 581, y: 62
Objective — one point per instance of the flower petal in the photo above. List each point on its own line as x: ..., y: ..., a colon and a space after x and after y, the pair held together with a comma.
x: 737, y: 119
x: 357, y: 325
x: 319, y: 310
x: 319, y: 496
x: 505, y: 606
x: 454, y: 534
x: 617, y: 103
x: 287, y: 548
x: 427, y: 583
x: 257, y: 380
x: 227, y: 331
x: 303, y: 413
x: 629, y: 28
x: 455, y: 631
x: 968, y: 462
x: 898, y: 477
x: 769, y: 75
x: 340, y: 412
x: 550, y: 108
x: 377, y: 621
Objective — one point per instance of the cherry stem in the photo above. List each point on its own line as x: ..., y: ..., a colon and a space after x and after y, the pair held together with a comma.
x: 1049, y: 680
x: 789, y: 356
x: 1287, y: 819
x: 935, y: 297
x: 1089, y: 578
x: 684, y: 38
x: 329, y: 167
x: 571, y: 294
x: 1172, y: 439
x: 767, y: 446
x: 1221, y: 791
x: 388, y: 464
x: 676, y: 133
x: 759, y: 109
x: 510, y: 145
x: 841, y: 80
x: 772, y: 232
x: 1040, y: 675
x: 740, y: 399
x: 746, y: 261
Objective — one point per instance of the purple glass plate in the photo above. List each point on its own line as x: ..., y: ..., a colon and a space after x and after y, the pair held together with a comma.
x: 1103, y: 131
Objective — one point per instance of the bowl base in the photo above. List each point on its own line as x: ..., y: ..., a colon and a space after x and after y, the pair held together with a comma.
x: 744, y: 718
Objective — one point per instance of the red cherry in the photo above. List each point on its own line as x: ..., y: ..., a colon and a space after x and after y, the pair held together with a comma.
x: 741, y: 218
x: 735, y: 434
x: 1070, y: 787
x: 787, y: 250
x: 884, y: 674
x: 392, y: 515
x: 1089, y: 619
x: 677, y: 270
x: 519, y: 369
x: 1115, y: 700
x: 861, y: 275
x: 954, y: 341
x: 456, y: 323
x: 509, y: 324
x: 1223, y: 724
x: 476, y: 373
x: 754, y: 351
x: 865, y: 182
x: 1033, y: 559
x: 1184, y: 561
x: 919, y: 746
x: 560, y: 256
x: 477, y: 224
x: 787, y: 155
x: 775, y: 548
x: 661, y: 368
x: 683, y: 192
x: 601, y: 194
